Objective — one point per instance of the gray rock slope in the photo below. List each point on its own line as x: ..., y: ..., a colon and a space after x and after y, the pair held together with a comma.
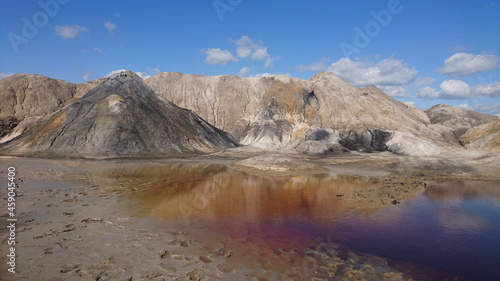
x: 122, y: 117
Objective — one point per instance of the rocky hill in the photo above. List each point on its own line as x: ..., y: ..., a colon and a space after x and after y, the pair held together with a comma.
x: 313, y: 116
x: 122, y: 117
x: 323, y: 115
x: 28, y: 98
x: 458, y: 120
x: 485, y: 137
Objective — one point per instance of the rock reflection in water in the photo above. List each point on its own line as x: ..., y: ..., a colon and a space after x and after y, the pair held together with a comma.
x: 215, y: 192
x: 448, y: 230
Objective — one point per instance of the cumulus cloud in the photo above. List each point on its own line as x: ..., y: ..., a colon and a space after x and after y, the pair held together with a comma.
x: 143, y: 75
x: 314, y: 66
x: 427, y: 93
x: 244, y: 71
x: 110, y: 27
x: 218, y: 56
x: 98, y: 50
x: 270, y: 62
x: 5, y: 75
x: 396, y: 91
x: 70, y: 32
x: 489, y: 108
x: 456, y: 89
x: 260, y: 75
x: 490, y: 90
x: 149, y: 72
x: 246, y: 48
x: 465, y: 64
x: 386, y: 72
x: 424, y: 81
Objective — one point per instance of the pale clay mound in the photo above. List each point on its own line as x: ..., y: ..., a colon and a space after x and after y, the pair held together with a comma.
x: 485, y: 137
x: 282, y: 112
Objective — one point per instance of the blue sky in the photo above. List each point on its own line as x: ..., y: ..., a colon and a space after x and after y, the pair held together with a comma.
x: 421, y: 51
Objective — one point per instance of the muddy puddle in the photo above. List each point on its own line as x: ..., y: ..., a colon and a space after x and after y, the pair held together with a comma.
x: 301, y: 227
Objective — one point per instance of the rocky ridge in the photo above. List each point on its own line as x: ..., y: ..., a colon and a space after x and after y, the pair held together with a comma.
x: 458, y: 120
x: 317, y: 116
x: 321, y: 116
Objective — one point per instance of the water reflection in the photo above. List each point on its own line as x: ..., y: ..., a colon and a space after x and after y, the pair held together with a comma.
x: 448, y: 231
x: 214, y: 192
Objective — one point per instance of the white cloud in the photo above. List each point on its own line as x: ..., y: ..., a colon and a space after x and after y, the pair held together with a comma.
x: 260, y: 75
x: 396, y: 91
x: 244, y: 71
x: 427, y: 93
x: 70, y: 32
x: 314, y: 66
x: 270, y: 62
x: 5, y: 75
x: 465, y: 64
x: 143, y: 75
x: 218, y: 56
x: 110, y: 27
x: 386, y: 72
x: 490, y: 90
x: 149, y: 72
x: 98, y: 50
x: 489, y: 108
x: 153, y: 71
x: 424, y: 81
x: 248, y: 49
x: 456, y: 89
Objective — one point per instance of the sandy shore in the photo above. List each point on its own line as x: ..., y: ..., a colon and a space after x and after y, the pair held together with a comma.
x: 72, y: 225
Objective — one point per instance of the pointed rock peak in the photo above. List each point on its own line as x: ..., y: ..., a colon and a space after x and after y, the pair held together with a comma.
x: 124, y: 74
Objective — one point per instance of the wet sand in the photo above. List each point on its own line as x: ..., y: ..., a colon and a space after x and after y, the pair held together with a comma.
x: 98, y: 220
